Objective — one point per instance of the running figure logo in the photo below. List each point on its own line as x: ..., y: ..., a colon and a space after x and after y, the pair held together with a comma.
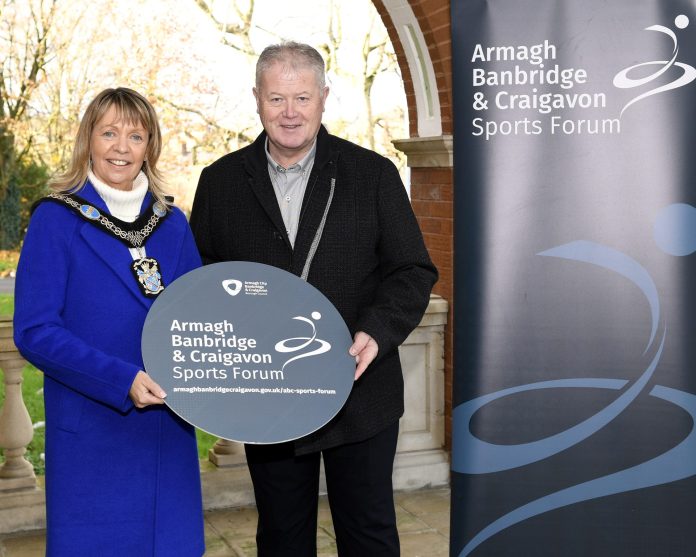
x: 296, y: 344
x: 623, y: 81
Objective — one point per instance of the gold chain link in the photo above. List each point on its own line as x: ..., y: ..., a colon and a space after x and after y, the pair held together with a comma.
x: 134, y: 237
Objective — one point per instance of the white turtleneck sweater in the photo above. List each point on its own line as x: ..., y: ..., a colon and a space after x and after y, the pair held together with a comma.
x: 124, y: 205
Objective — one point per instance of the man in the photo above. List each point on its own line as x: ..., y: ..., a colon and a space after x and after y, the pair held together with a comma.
x: 315, y: 205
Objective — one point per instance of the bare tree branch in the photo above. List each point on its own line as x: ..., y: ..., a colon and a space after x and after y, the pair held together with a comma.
x: 240, y: 136
x: 233, y: 32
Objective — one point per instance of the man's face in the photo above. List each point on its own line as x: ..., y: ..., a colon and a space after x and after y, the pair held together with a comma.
x: 290, y: 104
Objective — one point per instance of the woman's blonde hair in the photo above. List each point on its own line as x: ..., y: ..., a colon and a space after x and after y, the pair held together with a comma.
x: 134, y: 109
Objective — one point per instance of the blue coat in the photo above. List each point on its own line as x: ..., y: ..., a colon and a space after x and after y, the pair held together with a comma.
x: 120, y: 481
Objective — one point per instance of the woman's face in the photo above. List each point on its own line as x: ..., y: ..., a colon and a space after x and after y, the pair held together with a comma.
x: 118, y: 150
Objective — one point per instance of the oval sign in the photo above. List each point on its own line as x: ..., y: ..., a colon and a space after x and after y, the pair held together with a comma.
x: 248, y: 352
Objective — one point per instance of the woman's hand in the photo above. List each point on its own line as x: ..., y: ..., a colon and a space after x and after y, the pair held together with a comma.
x: 144, y: 391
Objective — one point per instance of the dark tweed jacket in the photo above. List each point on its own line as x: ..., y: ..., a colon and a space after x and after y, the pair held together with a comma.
x: 371, y: 263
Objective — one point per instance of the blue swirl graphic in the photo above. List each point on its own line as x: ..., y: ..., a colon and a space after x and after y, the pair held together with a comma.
x: 676, y: 464
x: 614, y: 260
x: 471, y: 455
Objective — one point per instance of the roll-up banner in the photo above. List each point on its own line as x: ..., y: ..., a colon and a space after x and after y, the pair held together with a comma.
x: 575, y: 239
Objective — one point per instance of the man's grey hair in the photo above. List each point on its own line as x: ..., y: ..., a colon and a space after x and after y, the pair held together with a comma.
x: 293, y: 56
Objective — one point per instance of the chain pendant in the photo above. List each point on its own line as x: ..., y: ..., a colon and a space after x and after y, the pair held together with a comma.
x: 146, y: 270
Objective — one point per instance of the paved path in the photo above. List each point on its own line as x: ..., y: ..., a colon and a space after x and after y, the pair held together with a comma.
x: 7, y: 285
x: 422, y: 516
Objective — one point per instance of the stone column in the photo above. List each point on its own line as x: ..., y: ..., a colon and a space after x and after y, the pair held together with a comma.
x: 432, y: 197
x: 227, y: 453
x: 427, y: 152
x: 421, y: 459
x: 16, y: 430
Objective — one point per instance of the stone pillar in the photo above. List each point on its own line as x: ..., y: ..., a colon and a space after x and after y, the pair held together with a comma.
x: 16, y: 430
x: 432, y: 193
x: 421, y: 460
x: 427, y: 152
x: 227, y: 453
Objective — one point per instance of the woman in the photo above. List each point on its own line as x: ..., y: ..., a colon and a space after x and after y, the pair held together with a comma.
x: 122, y: 476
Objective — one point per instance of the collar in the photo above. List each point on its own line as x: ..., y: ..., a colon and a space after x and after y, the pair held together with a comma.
x: 299, y: 166
x: 256, y: 159
x: 124, y: 205
x: 89, y: 193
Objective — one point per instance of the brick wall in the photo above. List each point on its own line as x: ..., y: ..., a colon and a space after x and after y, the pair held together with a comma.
x: 431, y: 196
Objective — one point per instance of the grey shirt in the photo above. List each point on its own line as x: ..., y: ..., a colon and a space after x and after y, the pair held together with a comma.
x: 289, y: 185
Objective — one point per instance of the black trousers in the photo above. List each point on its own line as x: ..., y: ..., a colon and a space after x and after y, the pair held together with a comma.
x: 359, y: 484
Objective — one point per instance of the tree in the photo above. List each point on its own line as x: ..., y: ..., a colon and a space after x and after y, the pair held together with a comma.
x: 24, y: 50
x: 137, y: 46
x: 236, y: 30
x: 353, y: 61
x: 376, y: 58
x: 193, y: 59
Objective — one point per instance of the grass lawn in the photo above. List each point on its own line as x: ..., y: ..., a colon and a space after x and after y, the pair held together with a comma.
x: 33, y: 399
x: 6, y: 304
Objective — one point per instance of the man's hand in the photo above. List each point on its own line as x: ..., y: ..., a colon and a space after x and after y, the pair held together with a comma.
x: 144, y: 391
x: 365, y: 350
